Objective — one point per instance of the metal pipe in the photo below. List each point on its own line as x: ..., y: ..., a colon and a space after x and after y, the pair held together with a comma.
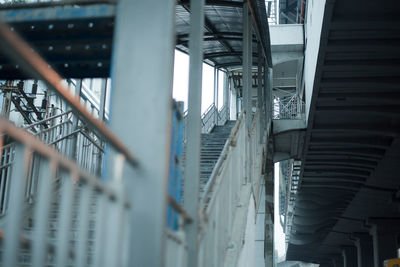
x: 192, y: 164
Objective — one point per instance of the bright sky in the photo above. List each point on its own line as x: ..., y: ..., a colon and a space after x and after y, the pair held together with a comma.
x: 181, y: 82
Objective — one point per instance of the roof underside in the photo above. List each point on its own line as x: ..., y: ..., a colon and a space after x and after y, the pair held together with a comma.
x: 350, y: 162
x: 78, y: 43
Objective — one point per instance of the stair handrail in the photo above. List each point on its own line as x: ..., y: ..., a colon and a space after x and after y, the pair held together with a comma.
x: 211, y: 181
x: 47, y: 119
x: 36, y: 145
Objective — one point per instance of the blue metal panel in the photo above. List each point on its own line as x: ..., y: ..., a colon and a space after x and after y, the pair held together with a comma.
x: 57, y: 13
x: 175, y: 170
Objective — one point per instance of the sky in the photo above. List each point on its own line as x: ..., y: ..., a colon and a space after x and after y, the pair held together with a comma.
x: 180, y: 93
x: 181, y: 81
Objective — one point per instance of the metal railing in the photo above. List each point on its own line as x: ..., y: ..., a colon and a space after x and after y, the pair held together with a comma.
x: 77, y: 144
x: 75, y: 226
x: 289, y: 108
x: 210, y: 118
x: 223, y: 192
x: 82, y: 210
x: 223, y: 115
x: 100, y: 238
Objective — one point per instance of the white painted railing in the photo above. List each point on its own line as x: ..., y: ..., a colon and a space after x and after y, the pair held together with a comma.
x: 223, y: 115
x: 236, y: 174
x: 210, y: 118
x: 291, y: 108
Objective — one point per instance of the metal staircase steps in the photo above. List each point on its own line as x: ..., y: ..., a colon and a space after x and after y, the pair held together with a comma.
x: 211, y: 147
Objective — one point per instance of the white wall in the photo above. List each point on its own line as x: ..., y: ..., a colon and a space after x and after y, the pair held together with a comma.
x: 246, y: 257
x: 313, y: 26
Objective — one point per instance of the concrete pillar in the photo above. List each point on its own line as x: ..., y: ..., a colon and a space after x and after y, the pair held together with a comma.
x: 141, y: 117
x: 365, y: 250
x: 384, y: 233
x: 193, y: 145
x: 349, y: 256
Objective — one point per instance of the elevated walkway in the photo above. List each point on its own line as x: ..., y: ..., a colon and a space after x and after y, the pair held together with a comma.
x: 349, y: 177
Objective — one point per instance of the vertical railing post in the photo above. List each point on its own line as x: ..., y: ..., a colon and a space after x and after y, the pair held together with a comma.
x: 247, y: 64
x: 102, y: 116
x: 192, y: 164
x: 260, y: 97
x: 247, y: 81
x: 215, y: 95
x: 15, y: 204
x: 141, y: 115
x: 74, y: 147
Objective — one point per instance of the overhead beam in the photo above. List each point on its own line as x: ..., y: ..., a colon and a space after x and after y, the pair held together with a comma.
x: 211, y: 28
x: 225, y: 54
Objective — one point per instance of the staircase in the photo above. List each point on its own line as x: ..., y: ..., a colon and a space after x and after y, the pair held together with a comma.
x: 211, y: 147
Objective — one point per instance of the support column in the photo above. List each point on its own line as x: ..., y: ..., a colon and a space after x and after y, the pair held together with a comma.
x: 216, y: 93
x: 247, y: 64
x: 269, y: 209
x: 268, y: 94
x: 141, y: 117
x: 192, y: 163
x: 365, y: 250
x: 384, y: 233
x: 349, y: 256
x: 226, y: 95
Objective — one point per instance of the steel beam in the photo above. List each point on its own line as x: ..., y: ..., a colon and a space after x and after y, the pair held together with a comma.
x: 192, y: 163
x: 141, y: 114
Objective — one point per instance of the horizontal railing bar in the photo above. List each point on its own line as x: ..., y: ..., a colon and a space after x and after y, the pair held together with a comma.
x: 91, y: 140
x: 37, y: 146
x: 177, y: 207
x: 48, y: 119
x: 52, y: 128
x: 26, y: 243
x: 175, y: 237
x: 64, y: 137
x: 6, y: 165
x: 75, y: 132
x: 36, y: 66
